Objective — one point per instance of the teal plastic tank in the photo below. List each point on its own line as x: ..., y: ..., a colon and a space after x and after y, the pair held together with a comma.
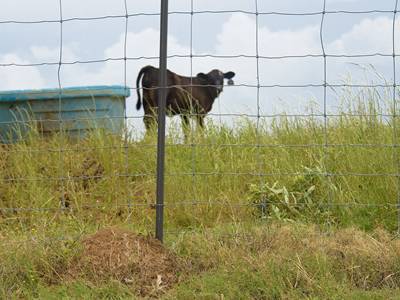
x: 76, y: 110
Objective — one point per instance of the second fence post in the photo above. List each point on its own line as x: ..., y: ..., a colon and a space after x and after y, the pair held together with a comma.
x: 162, y: 95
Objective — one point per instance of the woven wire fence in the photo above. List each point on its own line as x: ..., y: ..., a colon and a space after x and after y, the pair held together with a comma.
x: 134, y: 204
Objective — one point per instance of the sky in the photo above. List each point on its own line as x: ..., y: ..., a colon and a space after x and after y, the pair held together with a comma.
x: 229, y: 33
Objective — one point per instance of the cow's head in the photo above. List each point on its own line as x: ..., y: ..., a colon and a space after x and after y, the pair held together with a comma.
x: 216, y: 78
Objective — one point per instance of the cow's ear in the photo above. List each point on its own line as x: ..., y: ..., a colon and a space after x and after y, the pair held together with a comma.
x: 203, y: 76
x: 229, y: 75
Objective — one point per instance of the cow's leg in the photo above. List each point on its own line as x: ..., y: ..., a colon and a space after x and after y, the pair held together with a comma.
x: 150, y: 117
x: 149, y: 121
x: 200, y: 124
x: 185, y: 126
x: 200, y: 121
x: 150, y: 109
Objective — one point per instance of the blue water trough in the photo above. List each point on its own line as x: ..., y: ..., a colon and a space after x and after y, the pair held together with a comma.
x: 75, y: 110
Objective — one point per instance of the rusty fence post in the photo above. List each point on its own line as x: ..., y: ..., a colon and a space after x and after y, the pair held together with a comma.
x: 162, y: 95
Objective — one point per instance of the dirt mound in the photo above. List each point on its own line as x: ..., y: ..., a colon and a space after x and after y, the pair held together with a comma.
x: 139, y: 261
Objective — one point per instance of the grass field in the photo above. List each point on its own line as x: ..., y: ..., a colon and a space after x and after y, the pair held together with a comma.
x: 286, y: 208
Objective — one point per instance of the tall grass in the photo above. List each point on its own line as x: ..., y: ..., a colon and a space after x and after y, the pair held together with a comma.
x: 280, y: 169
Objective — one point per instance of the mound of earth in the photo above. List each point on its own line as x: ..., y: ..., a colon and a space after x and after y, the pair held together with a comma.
x: 139, y: 261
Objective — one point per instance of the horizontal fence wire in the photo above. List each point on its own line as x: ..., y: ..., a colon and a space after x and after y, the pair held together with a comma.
x: 36, y: 239
x: 239, y: 228
x: 214, y: 202
x: 233, y: 56
x: 245, y: 115
x: 194, y: 12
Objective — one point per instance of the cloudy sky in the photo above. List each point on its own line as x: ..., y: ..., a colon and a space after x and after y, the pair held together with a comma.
x: 229, y: 33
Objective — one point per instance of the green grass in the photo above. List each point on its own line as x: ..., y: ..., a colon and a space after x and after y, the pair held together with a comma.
x: 259, y: 261
x: 290, y: 262
x: 213, y: 187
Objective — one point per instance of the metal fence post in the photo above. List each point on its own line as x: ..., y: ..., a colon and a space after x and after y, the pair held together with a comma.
x: 162, y: 95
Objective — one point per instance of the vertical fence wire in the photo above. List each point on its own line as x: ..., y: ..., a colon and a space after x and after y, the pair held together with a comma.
x: 126, y: 120
x: 396, y: 160
x: 193, y: 107
x: 324, y: 159
x: 258, y: 142
x: 60, y: 116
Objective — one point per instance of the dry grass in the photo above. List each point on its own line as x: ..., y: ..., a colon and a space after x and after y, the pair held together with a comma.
x: 268, y: 260
x: 137, y: 261
x: 287, y: 261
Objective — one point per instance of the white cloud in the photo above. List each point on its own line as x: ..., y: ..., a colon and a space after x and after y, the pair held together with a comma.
x: 14, y: 78
x: 46, y: 54
x: 238, y: 37
x: 368, y: 36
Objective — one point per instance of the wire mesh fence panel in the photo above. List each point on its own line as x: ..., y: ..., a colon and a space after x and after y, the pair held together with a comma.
x: 272, y: 114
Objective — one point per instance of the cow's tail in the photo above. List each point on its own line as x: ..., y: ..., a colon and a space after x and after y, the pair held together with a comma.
x: 141, y: 72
